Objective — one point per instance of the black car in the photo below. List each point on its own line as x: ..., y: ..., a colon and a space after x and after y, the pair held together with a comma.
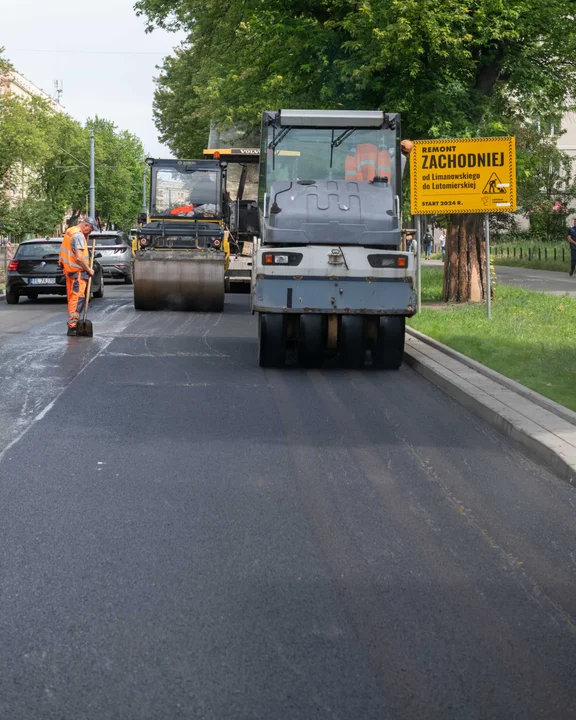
x: 34, y: 271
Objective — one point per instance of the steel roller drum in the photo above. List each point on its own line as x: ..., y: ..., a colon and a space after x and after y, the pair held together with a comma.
x: 179, y: 280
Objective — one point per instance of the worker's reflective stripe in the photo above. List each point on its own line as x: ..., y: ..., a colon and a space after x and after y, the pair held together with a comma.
x: 351, y: 172
x: 69, y: 258
x: 366, y: 162
x: 384, y: 167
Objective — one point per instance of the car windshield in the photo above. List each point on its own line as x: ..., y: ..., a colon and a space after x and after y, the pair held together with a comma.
x: 108, y: 240
x: 38, y: 250
x: 185, y: 193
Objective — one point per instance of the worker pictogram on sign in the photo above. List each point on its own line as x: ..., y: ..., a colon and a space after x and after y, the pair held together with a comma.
x: 494, y: 186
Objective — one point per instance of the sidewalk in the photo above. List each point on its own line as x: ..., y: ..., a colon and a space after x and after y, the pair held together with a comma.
x: 548, y: 281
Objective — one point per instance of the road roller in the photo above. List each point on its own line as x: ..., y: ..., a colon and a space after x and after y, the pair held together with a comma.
x: 330, y: 277
x: 183, y: 241
x: 242, y: 218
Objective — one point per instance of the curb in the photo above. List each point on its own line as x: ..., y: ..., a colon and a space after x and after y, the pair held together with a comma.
x: 525, y: 417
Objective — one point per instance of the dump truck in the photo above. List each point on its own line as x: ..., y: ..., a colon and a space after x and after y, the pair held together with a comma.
x: 330, y: 277
x: 183, y: 241
x: 241, y: 215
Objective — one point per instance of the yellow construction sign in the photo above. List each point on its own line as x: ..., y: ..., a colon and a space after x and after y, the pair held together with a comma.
x: 476, y: 175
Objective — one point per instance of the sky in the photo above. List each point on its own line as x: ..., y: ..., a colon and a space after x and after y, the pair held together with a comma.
x: 109, y: 65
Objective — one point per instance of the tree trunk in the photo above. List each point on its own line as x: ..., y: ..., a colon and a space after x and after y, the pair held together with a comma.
x: 464, y: 266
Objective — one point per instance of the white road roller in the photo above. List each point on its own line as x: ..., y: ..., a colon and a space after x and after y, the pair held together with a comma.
x: 329, y: 274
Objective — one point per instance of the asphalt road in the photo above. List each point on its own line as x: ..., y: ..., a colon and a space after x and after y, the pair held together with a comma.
x: 185, y: 535
x: 548, y: 281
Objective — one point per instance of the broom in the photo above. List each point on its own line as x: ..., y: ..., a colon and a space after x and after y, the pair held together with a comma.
x: 84, y: 327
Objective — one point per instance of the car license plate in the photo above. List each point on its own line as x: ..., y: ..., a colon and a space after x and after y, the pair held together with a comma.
x: 42, y: 281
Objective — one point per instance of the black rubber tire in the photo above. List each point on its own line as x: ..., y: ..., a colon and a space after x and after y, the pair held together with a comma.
x: 227, y: 285
x: 129, y: 279
x: 351, y: 343
x: 311, y: 341
x: 388, y: 352
x: 99, y: 293
x: 12, y: 299
x: 271, y: 340
x: 32, y: 296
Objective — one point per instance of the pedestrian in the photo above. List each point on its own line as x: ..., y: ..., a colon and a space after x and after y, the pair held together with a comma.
x: 572, y: 241
x: 428, y: 242
x: 443, y: 243
x: 74, y: 259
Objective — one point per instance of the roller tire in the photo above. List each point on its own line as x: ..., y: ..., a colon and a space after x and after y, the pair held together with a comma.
x: 388, y: 352
x: 351, y: 345
x: 12, y: 299
x: 271, y: 340
x: 311, y: 341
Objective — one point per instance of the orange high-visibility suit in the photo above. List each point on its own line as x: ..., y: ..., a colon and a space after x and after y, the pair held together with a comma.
x: 367, y: 163
x: 76, y: 277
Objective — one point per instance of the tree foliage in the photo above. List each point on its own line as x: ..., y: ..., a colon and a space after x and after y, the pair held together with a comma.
x: 452, y: 68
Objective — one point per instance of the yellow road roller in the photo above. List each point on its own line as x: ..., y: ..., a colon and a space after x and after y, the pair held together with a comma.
x: 184, y: 249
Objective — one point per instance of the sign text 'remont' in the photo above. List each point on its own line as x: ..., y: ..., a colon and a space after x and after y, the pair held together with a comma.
x: 476, y: 175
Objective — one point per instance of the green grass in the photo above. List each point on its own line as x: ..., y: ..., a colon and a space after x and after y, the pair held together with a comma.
x: 531, y: 337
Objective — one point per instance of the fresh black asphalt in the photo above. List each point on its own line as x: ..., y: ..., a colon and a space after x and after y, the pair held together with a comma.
x: 186, y: 535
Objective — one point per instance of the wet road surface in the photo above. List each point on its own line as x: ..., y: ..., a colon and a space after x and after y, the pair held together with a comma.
x: 185, y: 535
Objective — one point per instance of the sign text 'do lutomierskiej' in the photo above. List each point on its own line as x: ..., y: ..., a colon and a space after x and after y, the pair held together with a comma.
x: 476, y: 175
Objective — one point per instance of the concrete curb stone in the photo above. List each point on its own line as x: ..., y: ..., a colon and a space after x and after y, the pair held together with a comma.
x: 546, y: 435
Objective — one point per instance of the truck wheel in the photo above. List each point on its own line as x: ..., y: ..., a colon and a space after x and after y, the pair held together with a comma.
x: 388, y: 352
x: 12, y: 299
x: 311, y: 341
x: 271, y: 340
x: 351, y: 344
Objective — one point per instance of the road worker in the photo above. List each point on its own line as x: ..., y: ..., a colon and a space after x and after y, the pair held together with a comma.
x: 74, y: 258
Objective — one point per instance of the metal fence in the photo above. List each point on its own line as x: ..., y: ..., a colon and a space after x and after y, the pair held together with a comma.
x: 553, y: 254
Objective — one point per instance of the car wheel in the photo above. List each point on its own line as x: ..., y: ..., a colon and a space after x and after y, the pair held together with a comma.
x: 100, y: 292
x: 129, y: 279
x: 12, y: 299
x: 32, y: 296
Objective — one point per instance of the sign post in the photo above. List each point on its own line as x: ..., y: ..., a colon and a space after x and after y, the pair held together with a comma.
x: 418, y: 262
x: 488, y: 278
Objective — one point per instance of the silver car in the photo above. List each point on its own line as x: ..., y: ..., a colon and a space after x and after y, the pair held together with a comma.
x: 116, y: 251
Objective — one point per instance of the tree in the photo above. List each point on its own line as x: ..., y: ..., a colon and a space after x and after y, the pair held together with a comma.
x: 119, y: 162
x: 547, y: 184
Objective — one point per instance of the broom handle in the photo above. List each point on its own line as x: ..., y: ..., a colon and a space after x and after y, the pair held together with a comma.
x: 89, y: 286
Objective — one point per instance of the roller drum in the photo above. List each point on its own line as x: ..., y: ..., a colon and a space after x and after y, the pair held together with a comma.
x: 172, y: 280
